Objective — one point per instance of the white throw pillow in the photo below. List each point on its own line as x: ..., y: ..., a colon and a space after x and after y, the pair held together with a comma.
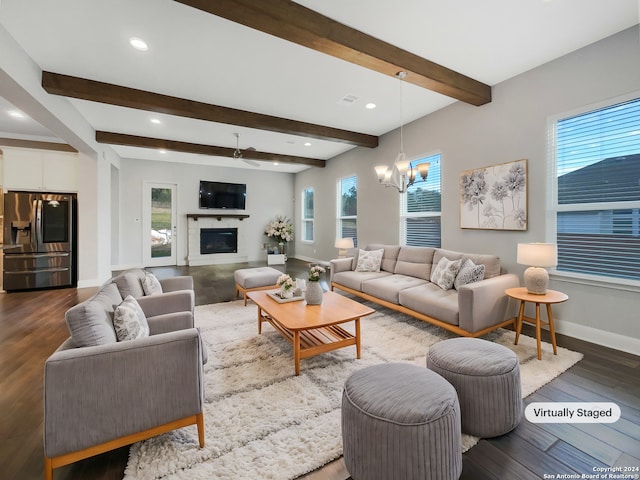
x: 151, y: 285
x: 469, y: 273
x: 369, y: 260
x: 129, y: 320
x: 445, y: 273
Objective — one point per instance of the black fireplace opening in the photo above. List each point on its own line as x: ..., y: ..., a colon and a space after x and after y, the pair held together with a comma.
x: 218, y: 240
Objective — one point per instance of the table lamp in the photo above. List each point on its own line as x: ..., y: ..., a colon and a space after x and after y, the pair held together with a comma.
x: 538, y: 256
x: 343, y: 244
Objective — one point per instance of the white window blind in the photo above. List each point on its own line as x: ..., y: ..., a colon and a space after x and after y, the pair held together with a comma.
x: 420, y: 208
x: 348, y: 209
x: 598, y: 194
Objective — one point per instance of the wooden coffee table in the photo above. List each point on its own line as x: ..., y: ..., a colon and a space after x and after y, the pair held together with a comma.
x: 312, y: 329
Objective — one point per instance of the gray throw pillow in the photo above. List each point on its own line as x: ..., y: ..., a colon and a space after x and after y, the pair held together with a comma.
x: 129, y: 320
x: 445, y: 273
x: 369, y: 260
x: 469, y: 273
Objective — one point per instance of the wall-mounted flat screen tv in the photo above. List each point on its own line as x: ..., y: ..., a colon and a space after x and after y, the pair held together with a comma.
x: 222, y: 195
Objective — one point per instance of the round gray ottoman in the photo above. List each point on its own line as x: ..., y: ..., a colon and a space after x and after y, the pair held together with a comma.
x: 486, y: 376
x: 400, y: 421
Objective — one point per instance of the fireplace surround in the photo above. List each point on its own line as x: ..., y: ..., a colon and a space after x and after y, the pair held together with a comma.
x: 211, y: 239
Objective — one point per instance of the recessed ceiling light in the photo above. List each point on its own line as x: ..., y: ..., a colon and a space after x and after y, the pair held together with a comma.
x: 276, y: 163
x: 156, y: 121
x: 370, y: 106
x: 138, y: 44
x: 162, y: 151
x: 16, y: 114
x: 307, y: 144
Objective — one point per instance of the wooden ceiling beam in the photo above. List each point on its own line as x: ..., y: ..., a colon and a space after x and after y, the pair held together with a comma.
x: 293, y: 22
x: 95, y: 91
x: 112, y: 138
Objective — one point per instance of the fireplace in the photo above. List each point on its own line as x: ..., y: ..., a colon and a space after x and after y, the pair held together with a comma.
x: 218, y: 240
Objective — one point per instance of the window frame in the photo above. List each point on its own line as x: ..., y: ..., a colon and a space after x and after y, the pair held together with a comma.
x: 339, y: 216
x: 404, y: 215
x: 553, y: 208
x: 306, y: 220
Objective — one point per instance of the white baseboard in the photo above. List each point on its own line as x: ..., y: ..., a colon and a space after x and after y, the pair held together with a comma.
x: 599, y: 337
x: 94, y: 282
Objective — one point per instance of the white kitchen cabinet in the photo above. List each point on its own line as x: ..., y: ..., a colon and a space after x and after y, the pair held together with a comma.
x: 40, y: 170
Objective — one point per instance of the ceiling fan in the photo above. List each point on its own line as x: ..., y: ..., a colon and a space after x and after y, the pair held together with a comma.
x: 237, y: 154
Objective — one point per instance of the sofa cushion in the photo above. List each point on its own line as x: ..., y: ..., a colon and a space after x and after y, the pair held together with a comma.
x: 431, y: 300
x: 91, y: 322
x: 444, y: 273
x: 129, y: 282
x: 490, y: 262
x: 415, y: 262
x: 354, y: 280
x: 151, y: 285
x: 389, y: 257
x: 388, y: 288
x: 129, y: 321
x: 369, y: 260
x: 469, y: 273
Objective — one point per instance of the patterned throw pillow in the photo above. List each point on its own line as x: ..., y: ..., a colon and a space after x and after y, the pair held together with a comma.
x: 445, y: 273
x: 151, y: 285
x: 129, y: 320
x: 469, y: 273
x: 369, y: 260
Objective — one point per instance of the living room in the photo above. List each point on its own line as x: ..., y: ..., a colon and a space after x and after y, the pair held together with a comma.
x: 515, y: 125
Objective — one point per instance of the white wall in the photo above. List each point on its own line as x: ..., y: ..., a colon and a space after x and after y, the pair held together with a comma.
x: 268, y: 194
x: 513, y: 126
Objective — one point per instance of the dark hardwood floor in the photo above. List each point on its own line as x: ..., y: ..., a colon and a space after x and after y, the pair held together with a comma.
x: 32, y: 326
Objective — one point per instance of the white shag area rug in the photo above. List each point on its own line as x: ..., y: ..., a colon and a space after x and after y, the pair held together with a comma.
x: 262, y: 422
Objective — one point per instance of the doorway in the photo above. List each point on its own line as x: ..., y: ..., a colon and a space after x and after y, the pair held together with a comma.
x: 159, y: 226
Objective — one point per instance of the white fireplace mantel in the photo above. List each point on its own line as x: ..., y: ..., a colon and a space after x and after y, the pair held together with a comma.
x: 195, y: 222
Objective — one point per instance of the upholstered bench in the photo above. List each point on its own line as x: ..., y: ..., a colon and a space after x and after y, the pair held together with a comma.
x: 402, y: 422
x: 486, y: 376
x: 260, y: 278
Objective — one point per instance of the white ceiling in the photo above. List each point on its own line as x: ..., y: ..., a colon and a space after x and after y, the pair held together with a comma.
x: 195, y: 55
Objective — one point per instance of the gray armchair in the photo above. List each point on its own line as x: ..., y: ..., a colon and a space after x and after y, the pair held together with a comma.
x: 107, y: 394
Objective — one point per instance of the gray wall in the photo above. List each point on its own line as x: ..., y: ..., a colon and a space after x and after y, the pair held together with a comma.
x: 512, y: 127
x: 268, y: 194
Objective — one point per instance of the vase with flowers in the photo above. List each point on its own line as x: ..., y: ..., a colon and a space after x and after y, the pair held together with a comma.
x: 281, y: 230
x: 287, y: 286
x: 313, y: 294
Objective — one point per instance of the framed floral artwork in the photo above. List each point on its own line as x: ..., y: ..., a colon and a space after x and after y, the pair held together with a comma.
x: 494, y: 198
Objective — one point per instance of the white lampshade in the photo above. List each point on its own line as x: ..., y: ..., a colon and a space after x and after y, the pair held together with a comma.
x: 538, y: 254
x: 402, y: 163
x: 381, y: 171
x: 343, y: 244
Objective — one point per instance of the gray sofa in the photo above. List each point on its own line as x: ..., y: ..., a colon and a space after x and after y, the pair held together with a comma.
x: 101, y: 393
x: 403, y: 284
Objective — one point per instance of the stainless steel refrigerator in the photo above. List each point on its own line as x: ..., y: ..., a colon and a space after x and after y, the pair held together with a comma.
x: 39, y: 240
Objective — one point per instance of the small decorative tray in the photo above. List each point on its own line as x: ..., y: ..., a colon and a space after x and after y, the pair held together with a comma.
x: 276, y: 296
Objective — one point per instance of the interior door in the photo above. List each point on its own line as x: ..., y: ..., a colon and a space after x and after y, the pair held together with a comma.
x: 160, y: 224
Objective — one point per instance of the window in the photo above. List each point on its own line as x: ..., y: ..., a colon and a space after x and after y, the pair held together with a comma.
x: 598, y: 191
x: 307, y: 215
x: 348, y: 209
x: 420, y: 209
